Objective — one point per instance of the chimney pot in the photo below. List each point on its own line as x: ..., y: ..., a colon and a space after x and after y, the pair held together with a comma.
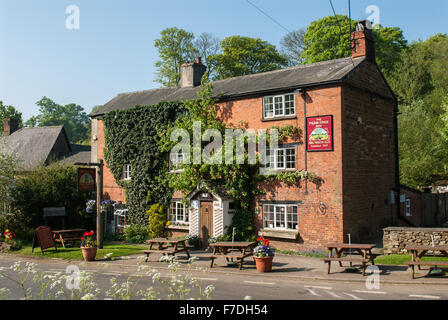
x: 363, y: 44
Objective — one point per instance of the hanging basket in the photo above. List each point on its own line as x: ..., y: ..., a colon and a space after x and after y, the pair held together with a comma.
x: 89, y: 253
x: 264, y: 264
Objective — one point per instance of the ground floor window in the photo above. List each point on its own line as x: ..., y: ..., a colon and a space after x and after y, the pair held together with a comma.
x: 178, y: 214
x: 280, y: 216
x: 408, y: 208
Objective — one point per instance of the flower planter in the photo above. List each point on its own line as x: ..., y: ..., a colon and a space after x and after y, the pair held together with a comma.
x: 264, y: 264
x: 89, y: 253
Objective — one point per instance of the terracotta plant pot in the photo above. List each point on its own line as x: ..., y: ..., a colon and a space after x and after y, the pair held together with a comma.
x: 264, y: 264
x: 89, y: 254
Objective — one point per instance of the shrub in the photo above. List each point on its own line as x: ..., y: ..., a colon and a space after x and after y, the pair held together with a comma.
x: 135, y: 233
x: 157, y: 221
x: 52, y: 186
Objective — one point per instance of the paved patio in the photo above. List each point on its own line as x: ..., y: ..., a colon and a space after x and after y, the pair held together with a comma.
x: 287, y: 266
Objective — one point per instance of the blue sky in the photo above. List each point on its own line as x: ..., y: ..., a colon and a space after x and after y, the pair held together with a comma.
x: 113, y: 50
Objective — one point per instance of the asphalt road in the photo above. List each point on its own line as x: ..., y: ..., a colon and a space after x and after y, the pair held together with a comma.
x: 237, y: 287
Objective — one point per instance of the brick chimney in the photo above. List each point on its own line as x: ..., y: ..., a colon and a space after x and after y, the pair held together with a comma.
x: 191, y: 73
x: 9, y: 126
x: 363, y: 43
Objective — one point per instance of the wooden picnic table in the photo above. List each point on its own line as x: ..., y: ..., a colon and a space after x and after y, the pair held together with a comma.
x: 231, y: 250
x: 419, y: 251
x: 166, y: 246
x: 67, y: 235
x: 336, y: 250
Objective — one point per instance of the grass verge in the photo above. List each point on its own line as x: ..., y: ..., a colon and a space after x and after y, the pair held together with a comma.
x: 74, y: 253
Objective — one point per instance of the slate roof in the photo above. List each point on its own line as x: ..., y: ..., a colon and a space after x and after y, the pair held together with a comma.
x: 33, y: 146
x: 285, y: 79
x: 80, y: 153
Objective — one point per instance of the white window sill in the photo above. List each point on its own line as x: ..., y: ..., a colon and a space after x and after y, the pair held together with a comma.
x: 178, y: 227
x: 279, y: 233
x: 176, y: 171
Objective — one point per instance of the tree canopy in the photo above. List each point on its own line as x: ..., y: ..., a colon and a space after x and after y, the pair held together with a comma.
x: 328, y: 38
x: 175, y: 48
x: 243, y: 55
x: 10, y: 112
x: 72, y: 116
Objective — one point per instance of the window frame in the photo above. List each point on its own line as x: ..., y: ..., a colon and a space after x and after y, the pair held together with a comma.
x: 275, y: 157
x: 408, y: 207
x: 279, y: 113
x: 178, y: 205
x: 174, y: 167
x: 285, y: 217
x: 127, y: 170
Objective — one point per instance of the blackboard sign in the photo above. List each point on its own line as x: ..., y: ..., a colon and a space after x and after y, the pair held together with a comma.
x: 45, y: 238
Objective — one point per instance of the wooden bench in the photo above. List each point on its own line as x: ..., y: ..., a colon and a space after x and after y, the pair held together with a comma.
x: 412, y: 264
x: 235, y: 255
x: 347, y: 259
x: 166, y: 246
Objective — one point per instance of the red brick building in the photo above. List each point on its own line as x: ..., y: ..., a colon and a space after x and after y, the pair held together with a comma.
x: 357, y: 154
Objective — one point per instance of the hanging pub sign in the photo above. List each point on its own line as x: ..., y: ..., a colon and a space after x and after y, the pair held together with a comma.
x: 319, y: 133
x: 86, y: 179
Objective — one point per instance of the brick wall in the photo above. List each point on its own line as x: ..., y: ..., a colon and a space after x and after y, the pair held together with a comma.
x: 111, y: 190
x: 369, y: 163
x: 356, y: 177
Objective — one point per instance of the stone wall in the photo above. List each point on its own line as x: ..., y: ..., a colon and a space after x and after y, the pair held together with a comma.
x: 395, y: 239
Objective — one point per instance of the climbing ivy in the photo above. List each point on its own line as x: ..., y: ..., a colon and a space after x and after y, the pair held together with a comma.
x: 140, y: 136
x: 131, y: 137
x: 241, y: 181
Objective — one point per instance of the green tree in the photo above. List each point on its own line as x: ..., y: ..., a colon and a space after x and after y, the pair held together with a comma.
x: 10, y: 112
x: 328, y: 39
x: 8, y: 166
x: 292, y: 46
x: 175, y: 48
x: 423, y: 149
x: 72, y: 116
x: 422, y: 72
x: 243, y: 55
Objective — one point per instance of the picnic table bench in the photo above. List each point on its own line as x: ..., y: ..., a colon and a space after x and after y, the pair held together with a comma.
x: 166, y: 247
x: 230, y: 251
x: 418, y: 252
x: 63, y: 236
x: 338, y: 249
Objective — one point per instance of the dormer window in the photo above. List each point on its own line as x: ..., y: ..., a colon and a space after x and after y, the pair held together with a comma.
x: 278, y: 106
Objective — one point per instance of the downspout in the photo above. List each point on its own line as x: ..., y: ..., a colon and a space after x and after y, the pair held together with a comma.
x: 306, y: 146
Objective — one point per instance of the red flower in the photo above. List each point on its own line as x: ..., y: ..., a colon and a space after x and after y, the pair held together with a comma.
x: 85, y: 234
x: 266, y: 242
x: 260, y: 239
x: 82, y: 238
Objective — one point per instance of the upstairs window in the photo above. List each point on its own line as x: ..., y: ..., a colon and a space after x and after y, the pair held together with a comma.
x: 126, y: 172
x: 176, y: 160
x: 278, y: 106
x: 281, y: 158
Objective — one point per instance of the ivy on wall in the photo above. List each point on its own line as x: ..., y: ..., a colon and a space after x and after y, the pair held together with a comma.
x: 131, y: 137
x: 140, y: 136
